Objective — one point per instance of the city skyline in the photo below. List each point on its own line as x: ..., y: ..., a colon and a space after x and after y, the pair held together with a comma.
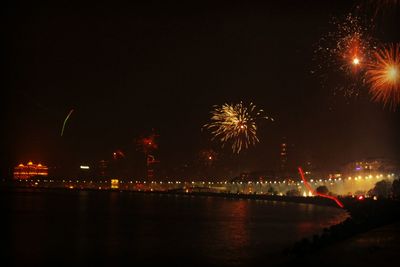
x: 125, y: 72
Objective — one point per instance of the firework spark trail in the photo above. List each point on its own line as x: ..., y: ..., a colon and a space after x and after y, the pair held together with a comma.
x: 380, y: 8
x: 235, y: 124
x: 383, y: 75
x: 340, y: 204
x: 65, y: 121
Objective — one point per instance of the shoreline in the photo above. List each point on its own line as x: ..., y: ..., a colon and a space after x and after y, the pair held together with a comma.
x: 315, y: 200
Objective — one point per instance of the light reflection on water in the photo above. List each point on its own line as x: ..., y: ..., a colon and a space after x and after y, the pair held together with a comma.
x: 111, y: 226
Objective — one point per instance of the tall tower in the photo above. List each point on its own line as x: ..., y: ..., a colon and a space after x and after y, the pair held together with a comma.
x: 149, y: 169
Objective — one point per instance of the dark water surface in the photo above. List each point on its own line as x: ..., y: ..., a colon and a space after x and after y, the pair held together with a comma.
x: 53, y: 227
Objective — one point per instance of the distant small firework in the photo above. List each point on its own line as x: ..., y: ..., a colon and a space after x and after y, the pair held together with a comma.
x: 236, y: 124
x: 118, y: 154
x: 208, y: 156
x: 383, y: 75
x: 65, y: 121
x: 147, y: 143
x: 343, y: 55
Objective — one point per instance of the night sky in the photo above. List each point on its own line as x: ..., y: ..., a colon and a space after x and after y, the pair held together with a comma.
x: 126, y: 69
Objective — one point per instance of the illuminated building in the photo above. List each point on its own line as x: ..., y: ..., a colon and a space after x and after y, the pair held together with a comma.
x: 114, y: 183
x: 367, y: 166
x: 30, y: 170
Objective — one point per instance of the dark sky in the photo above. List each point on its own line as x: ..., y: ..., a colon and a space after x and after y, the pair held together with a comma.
x: 126, y: 68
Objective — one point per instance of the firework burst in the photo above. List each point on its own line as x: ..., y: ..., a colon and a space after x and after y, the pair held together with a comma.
x: 383, y: 75
x: 343, y: 55
x: 236, y: 124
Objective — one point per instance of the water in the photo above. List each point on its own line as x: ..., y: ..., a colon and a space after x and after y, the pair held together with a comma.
x: 49, y: 227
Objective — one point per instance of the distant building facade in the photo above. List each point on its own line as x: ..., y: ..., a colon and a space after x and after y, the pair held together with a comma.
x: 371, y: 165
x: 30, y: 170
x: 283, y: 157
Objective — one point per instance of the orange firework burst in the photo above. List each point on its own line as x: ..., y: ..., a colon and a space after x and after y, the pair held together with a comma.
x: 353, y: 54
x: 384, y: 76
x: 351, y: 44
x: 343, y: 55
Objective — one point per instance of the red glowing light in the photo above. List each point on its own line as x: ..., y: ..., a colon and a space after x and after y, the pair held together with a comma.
x: 340, y: 204
x: 360, y: 197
